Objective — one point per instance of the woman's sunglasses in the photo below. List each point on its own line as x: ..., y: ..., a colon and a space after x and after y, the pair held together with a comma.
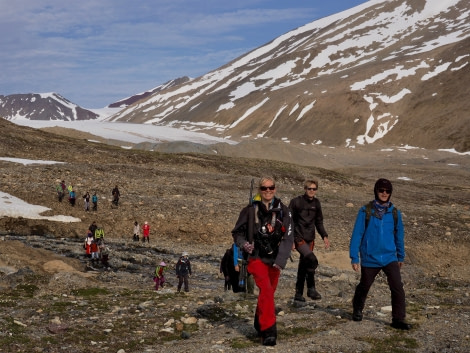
x: 264, y: 188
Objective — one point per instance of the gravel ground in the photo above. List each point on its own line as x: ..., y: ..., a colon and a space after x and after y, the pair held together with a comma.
x: 52, y: 301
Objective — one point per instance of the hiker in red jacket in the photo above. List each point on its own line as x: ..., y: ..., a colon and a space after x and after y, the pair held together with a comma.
x: 146, y: 232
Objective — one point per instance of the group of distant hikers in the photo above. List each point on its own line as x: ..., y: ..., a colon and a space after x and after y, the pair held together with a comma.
x: 182, y: 269
x: 95, y: 247
x: 98, y: 252
x: 63, y: 190
x: 145, y: 232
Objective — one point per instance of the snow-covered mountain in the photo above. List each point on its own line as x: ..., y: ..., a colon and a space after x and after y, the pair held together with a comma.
x: 42, y: 106
x: 391, y: 71
x: 387, y: 71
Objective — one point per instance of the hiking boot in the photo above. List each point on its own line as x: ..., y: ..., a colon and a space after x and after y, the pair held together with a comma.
x: 313, y: 294
x: 268, y: 337
x: 400, y: 325
x: 299, y: 297
x: 256, y: 325
x: 269, y: 341
x: 357, y: 315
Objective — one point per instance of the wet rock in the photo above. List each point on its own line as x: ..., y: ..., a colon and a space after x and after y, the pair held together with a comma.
x: 212, y: 312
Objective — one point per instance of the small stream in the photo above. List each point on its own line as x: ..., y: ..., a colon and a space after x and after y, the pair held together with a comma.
x: 131, y: 257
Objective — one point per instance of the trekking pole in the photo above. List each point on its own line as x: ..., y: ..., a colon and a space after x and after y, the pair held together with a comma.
x: 251, y: 214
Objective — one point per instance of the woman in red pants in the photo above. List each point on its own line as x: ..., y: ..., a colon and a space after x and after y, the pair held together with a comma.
x: 264, y: 232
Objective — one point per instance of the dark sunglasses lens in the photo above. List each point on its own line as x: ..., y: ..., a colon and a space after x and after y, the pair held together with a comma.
x: 264, y: 188
x: 310, y: 189
x: 384, y: 191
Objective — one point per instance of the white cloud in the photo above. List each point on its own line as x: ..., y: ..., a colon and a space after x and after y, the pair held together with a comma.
x: 97, y: 52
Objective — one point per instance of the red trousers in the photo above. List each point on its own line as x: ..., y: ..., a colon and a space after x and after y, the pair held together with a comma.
x: 266, y: 278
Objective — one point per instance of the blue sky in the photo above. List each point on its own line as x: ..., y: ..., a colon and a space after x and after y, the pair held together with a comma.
x: 97, y: 52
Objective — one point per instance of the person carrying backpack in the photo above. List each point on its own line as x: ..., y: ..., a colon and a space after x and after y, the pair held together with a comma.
x: 61, y: 189
x: 86, y: 201
x: 183, y: 271
x: 95, y: 255
x: 116, y: 195
x: 264, y: 231
x: 378, y: 242
x: 99, y: 233
x: 72, y: 197
x: 226, y: 268
x: 93, y: 228
x: 104, y: 255
x: 94, y: 200
x: 159, y: 277
x: 136, y: 235
x: 87, y: 244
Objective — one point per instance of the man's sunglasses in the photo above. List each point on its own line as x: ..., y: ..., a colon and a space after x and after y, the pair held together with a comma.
x: 264, y: 188
x: 312, y: 189
x: 387, y: 191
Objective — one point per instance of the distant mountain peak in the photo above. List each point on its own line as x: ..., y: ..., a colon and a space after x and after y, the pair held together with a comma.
x: 42, y: 106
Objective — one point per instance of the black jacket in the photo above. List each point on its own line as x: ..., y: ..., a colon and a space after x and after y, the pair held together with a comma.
x: 279, y: 240
x: 183, y: 267
x: 306, y: 216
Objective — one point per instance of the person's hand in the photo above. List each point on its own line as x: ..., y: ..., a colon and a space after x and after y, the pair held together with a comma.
x: 400, y: 264
x: 278, y: 267
x: 248, y: 247
x: 327, y: 242
x: 355, y: 267
x: 237, y: 268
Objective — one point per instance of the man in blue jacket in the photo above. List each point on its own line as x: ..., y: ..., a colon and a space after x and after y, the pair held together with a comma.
x: 378, y: 237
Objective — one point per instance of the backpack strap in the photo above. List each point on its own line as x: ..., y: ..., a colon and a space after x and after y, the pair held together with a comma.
x: 368, y: 210
x: 395, y: 220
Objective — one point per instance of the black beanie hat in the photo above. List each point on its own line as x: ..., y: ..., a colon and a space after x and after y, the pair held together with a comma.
x: 383, y: 184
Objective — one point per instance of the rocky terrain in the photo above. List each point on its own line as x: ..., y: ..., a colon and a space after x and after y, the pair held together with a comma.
x: 53, y: 301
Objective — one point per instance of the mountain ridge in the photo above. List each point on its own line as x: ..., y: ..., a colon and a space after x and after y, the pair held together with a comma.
x: 42, y: 106
x: 389, y: 71
x: 357, y: 76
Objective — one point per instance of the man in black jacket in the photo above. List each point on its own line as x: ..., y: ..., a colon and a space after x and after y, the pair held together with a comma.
x: 183, y: 271
x: 306, y: 216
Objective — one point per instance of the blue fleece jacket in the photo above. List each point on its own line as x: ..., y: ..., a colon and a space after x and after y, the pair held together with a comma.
x: 377, y: 245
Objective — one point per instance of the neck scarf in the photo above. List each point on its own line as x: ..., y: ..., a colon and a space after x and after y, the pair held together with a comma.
x: 380, y: 209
